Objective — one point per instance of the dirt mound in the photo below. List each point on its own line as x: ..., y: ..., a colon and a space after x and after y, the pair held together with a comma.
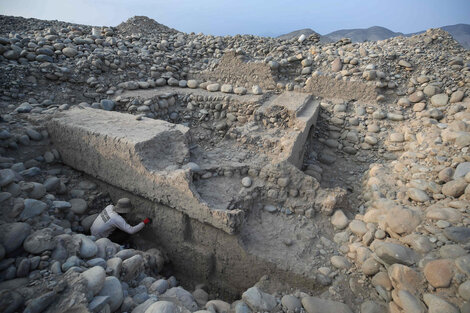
x: 237, y: 70
x: 143, y: 26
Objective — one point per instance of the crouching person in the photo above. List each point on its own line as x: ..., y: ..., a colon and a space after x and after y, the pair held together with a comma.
x: 112, y: 217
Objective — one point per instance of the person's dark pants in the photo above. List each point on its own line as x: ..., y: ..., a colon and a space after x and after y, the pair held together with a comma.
x: 120, y: 237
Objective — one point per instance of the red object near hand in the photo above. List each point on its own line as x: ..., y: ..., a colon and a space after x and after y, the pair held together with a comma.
x: 146, y: 221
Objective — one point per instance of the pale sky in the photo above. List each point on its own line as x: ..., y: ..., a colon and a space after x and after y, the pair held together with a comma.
x: 265, y: 18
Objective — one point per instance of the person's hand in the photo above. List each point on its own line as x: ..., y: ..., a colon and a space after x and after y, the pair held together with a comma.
x: 147, y: 220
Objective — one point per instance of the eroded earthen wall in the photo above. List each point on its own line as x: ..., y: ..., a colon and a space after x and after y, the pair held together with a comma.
x: 201, y: 253
x: 232, y: 70
x: 329, y: 87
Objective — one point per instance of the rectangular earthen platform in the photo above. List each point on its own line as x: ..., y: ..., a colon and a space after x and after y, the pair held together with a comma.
x: 144, y: 157
x: 147, y: 156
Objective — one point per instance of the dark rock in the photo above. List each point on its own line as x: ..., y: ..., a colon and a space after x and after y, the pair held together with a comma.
x: 41, y: 303
x: 458, y: 234
x: 52, y: 183
x: 98, y: 303
x: 12, y: 54
x: 107, y: 105
x: 60, y: 252
x: 395, y: 253
x: 13, y: 235
x: 10, y: 301
x: 33, y: 134
x: 39, y: 241
x: 7, y: 176
x: 32, y: 208
x: 112, y: 288
x: 463, y: 264
x: 23, y: 268
x: 183, y: 296
x: 258, y: 300
x: 31, y: 172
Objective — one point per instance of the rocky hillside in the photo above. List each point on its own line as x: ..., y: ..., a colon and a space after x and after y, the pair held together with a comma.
x: 391, y: 145
x: 460, y: 32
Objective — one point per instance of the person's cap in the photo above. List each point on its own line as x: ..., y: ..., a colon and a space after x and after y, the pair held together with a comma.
x: 123, y: 206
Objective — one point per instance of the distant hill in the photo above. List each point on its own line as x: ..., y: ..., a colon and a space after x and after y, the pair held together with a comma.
x: 460, y: 32
x: 297, y: 33
x: 373, y: 33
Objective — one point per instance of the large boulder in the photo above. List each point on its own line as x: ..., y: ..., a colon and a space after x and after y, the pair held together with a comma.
x: 438, y: 305
x: 439, y: 99
x: 88, y: 221
x: 106, y: 248
x: 32, y: 208
x: 257, y: 300
x: 154, y: 259
x: 10, y: 301
x: 455, y: 188
x: 113, y: 289
x: 392, y: 253
x: 70, y: 52
x: 291, y: 303
x: 218, y: 306
x: 403, y: 277
x: 162, y: 307
x: 88, y: 248
x: 160, y: 286
x: 114, y: 266
x: 182, y: 296
x: 132, y: 267
x: 40, y: 303
x: 318, y: 305
x: 6, y: 177
x: 39, y: 241
x: 403, y: 221
x: 13, y: 235
x: 107, y: 105
x: 79, y: 206
x: 439, y: 273
x: 142, y: 308
x: 94, y: 279
x: 410, y: 303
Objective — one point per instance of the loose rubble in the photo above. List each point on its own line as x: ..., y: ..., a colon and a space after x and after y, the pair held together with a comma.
x: 379, y: 201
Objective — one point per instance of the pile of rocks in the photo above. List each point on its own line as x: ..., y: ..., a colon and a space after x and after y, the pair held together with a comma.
x: 410, y: 236
x: 138, y: 26
x: 402, y: 152
x: 103, y: 58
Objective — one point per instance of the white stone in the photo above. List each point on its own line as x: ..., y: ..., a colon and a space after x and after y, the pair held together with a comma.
x: 246, y: 182
x: 339, y: 220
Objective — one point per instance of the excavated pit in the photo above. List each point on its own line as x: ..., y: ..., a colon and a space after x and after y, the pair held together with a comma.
x: 188, y: 175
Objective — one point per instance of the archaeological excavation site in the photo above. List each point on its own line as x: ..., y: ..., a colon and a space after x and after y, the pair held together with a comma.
x: 278, y: 175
